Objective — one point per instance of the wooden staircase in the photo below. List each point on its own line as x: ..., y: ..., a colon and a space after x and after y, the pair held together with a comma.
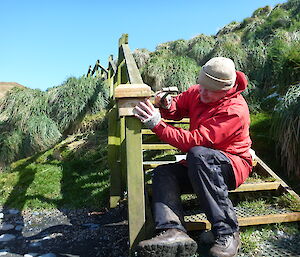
x: 132, y: 155
x: 271, y: 183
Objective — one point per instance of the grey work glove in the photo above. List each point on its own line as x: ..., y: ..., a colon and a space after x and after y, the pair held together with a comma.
x: 147, y: 114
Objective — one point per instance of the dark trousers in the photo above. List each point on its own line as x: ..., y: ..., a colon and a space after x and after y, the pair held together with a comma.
x: 209, y: 174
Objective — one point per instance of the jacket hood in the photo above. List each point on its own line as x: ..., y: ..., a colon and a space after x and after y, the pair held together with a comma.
x: 240, y: 85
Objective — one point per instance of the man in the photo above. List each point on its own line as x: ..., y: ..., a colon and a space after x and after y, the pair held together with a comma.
x: 218, y: 159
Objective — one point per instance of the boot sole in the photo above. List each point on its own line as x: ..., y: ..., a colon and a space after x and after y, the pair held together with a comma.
x: 186, y: 250
x: 172, y: 250
x: 157, y: 251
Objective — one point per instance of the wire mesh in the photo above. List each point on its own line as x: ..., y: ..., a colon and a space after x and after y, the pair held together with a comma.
x: 242, y: 212
x: 281, y: 247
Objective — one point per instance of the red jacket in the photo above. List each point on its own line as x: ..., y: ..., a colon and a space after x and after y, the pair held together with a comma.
x: 222, y: 125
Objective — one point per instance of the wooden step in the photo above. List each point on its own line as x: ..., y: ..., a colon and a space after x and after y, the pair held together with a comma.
x: 157, y: 147
x: 249, y: 187
x: 260, y: 186
x: 199, y: 221
x: 147, y: 132
x: 153, y: 164
x: 183, y: 121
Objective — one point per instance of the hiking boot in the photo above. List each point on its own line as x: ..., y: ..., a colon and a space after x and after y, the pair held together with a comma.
x: 169, y: 243
x: 226, y: 245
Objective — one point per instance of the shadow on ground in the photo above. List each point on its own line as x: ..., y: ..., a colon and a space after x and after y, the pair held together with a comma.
x: 62, y: 231
x: 66, y: 233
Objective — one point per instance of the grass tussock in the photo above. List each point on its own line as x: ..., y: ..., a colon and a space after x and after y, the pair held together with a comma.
x: 286, y: 130
x: 32, y: 121
x: 167, y: 71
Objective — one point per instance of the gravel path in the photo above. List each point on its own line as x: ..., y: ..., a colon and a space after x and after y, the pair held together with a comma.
x: 85, y: 233
x: 54, y: 233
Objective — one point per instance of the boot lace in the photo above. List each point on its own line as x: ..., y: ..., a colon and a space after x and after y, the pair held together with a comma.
x: 223, y: 239
x: 161, y: 233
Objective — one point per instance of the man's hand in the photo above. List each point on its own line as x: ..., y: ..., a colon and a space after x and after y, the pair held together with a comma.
x: 146, y: 112
x: 162, y: 99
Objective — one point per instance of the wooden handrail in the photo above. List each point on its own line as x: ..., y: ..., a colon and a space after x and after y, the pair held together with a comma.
x: 133, y: 73
x: 97, y: 66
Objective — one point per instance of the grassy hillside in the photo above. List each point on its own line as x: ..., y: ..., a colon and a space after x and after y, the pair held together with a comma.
x: 72, y: 174
x: 266, y: 47
x: 32, y: 121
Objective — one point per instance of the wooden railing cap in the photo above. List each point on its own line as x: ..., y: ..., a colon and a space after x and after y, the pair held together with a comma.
x: 132, y: 91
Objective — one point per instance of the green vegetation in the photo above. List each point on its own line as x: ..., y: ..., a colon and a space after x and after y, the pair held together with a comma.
x: 164, y: 70
x: 286, y: 129
x: 253, y: 237
x: 63, y: 136
x: 287, y: 201
x: 266, y: 47
x: 257, y: 206
x: 262, y: 141
x: 75, y: 172
x: 32, y: 121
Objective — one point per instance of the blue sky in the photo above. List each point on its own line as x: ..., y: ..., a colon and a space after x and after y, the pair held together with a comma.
x: 44, y: 42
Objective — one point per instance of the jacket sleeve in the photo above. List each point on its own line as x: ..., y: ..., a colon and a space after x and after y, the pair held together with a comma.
x: 179, y: 107
x: 218, y: 130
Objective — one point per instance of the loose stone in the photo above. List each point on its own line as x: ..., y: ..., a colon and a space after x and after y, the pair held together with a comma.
x: 35, y: 244
x: 31, y: 255
x: 13, y: 211
x: 91, y: 226
x: 6, y: 227
x: 6, y: 237
x: 19, y: 227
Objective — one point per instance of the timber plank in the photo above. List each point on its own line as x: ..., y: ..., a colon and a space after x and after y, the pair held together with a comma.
x: 253, y: 187
x: 122, y: 153
x: 267, y: 219
x: 135, y: 182
x: 147, y: 132
x: 184, y: 120
x: 113, y: 157
x: 286, y: 188
x: 132, y: 69
x: 248, y: 221
x: 261, y: 186
x: 157, y: 147
x: 153, y: 164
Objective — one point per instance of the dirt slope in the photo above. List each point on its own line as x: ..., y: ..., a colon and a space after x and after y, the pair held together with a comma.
x: 6, y: 86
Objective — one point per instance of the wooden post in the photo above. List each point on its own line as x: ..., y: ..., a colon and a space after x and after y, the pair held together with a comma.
x: 89, y: 71
x: 111, y: 75
x: 135, y: 183
x: 123, y: 39
x: 119, y: 73
x: 122, y: 154
x: 127, y: 96
x: 114, y: 157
